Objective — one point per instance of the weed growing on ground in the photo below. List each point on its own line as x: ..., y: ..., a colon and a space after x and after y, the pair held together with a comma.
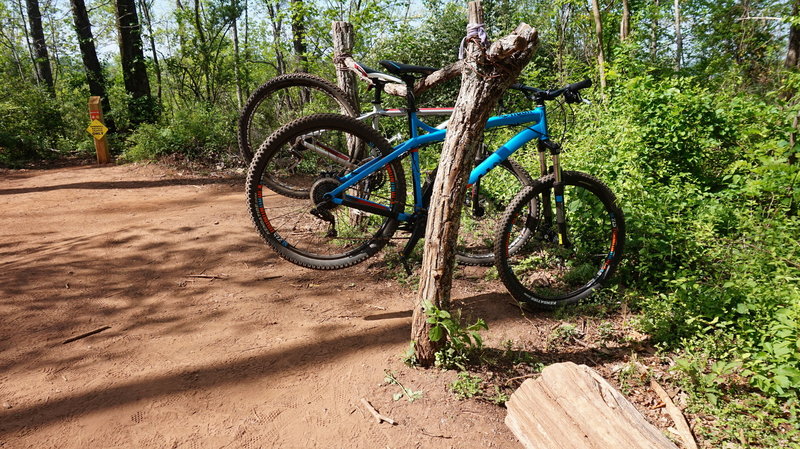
x: 461, y: 343
x: 409, y: 394
x: 467, y: 385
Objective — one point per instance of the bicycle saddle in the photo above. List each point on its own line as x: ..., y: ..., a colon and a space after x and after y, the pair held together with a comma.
x: 401, y: 69
x: 376, y: 75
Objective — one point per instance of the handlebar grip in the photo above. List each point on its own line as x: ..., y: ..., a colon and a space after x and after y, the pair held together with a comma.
x: 574, y: 87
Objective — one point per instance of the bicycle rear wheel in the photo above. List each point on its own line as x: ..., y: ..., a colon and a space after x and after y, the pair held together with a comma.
x: 312, y: 232
x: 552, y: 270
x: 283, y: 99
x: 483, y: 210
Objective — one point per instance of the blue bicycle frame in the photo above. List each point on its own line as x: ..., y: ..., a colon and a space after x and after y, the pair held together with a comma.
x: 536, y: 130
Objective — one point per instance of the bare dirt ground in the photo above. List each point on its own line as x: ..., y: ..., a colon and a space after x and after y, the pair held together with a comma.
x: 214, y: 341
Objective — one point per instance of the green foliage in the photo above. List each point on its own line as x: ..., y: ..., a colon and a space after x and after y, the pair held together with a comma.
x: 197, y: 132
x: 460, y: 343
x: 31, y: 124
x: 705, y: 178
x: 467, y: 385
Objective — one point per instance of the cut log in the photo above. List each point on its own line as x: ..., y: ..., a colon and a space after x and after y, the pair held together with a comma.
x: 573, y: 407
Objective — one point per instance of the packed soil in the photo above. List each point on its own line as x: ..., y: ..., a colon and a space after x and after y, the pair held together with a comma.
x: 210, y: 340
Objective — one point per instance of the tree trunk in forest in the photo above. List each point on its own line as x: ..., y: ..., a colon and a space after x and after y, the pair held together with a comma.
x: 488, y: 75
x: 273, y: 10
x: 141, y: 107
x: 11, y: 40
x: 297, y: 9
x: 678, y: 37
x: 601, y: 56
x: 237, y: 63
x: 793, y: 52
x: 28, y: 41
x: 43, y: 70
x: 654, y: 32
x: 564, y: 15
x: 156, y: 66
x: 205, y: 63
x: 94, y: 71
x: 343, y: 40
x: 625, y: 23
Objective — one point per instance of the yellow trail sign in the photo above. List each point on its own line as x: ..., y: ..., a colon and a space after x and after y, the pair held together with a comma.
x: 97, y: 129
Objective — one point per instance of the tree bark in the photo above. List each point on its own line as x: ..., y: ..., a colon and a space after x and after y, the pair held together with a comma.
x: 28, y: 42
x: 156, y: 65
x: 134, y: 71
x: 678, y: 37
x: 297, y: 9
x: 343, y: 40
x: 43, y: 70
x: 486, y: 75
x: 601, y: 56
x: 571, y: 407
x: 564, y: 15
x: 793, y: 52
x: 625, y: 23
x: 273, y: 10
x: 91, y: 64
x: 237, y: 61
x: 654, y: 31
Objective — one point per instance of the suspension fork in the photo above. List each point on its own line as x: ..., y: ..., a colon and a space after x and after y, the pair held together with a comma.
x: 558, y: 192
x: 560, y: 227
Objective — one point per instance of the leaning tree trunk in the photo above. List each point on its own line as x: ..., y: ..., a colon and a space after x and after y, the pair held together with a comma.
x: 43, y: 70
x: 141, y: 106
x: 94, y: 71
x: 486, y: 76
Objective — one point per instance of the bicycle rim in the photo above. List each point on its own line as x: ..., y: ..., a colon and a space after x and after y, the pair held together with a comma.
x: 483, y: 211
x: 284, y: 99
x: 300, y: 229
x: 552, y: 270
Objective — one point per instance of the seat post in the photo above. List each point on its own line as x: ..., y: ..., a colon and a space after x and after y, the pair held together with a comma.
x: 411, y: 100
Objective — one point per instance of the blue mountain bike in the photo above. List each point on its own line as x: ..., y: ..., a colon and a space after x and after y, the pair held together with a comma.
x: 353, y: 209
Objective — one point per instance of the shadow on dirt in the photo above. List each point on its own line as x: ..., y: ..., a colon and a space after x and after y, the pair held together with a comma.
x: 112, y: 185
x: 261, y: 366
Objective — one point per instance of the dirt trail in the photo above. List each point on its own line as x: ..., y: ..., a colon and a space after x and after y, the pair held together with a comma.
x: 260, y: 353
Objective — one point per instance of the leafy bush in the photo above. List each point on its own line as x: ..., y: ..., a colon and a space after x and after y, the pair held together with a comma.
x: 30, y: 123
x: 196, y: 132
x: 710, y: 198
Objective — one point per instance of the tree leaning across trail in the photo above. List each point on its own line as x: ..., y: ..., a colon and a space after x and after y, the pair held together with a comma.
x: 487, y: 73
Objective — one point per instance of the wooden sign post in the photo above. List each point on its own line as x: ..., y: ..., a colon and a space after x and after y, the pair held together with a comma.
x: 98, y: 130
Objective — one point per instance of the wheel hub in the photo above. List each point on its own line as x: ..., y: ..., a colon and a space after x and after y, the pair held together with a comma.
x: 320, y: 188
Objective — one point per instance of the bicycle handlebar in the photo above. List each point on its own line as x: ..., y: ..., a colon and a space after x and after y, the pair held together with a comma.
x: 570, y: 91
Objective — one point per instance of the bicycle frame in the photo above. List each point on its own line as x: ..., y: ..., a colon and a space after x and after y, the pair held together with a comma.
x: 537, y: 130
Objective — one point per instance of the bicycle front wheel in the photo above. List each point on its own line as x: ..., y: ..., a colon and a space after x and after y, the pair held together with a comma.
x: 313, y: 232
x: 554, y: 269
x: 283, y: 99
x: 483, y: 210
